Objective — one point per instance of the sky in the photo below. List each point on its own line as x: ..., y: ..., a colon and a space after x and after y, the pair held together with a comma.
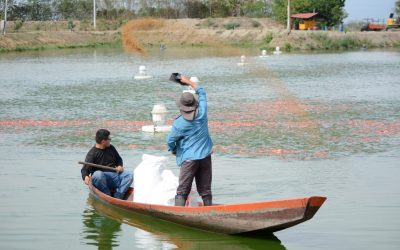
x: 360, y: 9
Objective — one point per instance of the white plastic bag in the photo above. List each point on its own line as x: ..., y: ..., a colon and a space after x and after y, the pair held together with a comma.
x: 164, y: 193
x: 156, y: 185
x: 148, y: 176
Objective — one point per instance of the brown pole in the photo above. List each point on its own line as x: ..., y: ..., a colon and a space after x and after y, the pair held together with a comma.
x: 288, y: 15
x: 97, y: 166
x: 5, y: 18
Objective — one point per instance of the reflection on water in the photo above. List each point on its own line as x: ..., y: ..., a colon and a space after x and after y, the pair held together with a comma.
x: 102, y: 223
x: 99, y: 230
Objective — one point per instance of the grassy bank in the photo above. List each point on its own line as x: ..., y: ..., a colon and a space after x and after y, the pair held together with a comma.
x: 237, y: 32
x: 41, y: 40
x: 332, y: 41
x: 20, y: 48
x: 262, y: 34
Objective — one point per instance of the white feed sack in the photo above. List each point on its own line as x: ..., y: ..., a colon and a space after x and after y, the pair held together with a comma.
x: 147, y: 176
x: 156, y: 185
x: 164, y: 193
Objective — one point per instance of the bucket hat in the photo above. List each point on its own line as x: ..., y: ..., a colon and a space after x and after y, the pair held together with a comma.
x: 188, y: 105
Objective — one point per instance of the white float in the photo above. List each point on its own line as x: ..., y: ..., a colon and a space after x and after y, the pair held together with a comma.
x: 277, y: 51
x: 159, y: 113
x: 263, y: 54
x: 142, y: 73
x: 242, y: 61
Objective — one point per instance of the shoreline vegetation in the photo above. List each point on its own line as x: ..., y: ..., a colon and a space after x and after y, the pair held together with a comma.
x: 242, y: 32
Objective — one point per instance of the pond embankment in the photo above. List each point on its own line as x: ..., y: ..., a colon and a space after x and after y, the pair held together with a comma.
x: 239, y: 32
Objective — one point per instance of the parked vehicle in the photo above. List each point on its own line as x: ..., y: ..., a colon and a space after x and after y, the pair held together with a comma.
x: 379, y: 24
x: 371, y: 24
x: 392, y: 22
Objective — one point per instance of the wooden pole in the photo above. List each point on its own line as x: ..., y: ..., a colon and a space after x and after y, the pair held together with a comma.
x: 288, y: 16
x: 5, y: 17
x: 209, y: 6
x: 94, y: 14
x: 97, y: 166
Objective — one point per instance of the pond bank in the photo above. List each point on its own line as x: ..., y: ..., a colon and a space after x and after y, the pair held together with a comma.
x: 40, y: 40
x: 259, y: 33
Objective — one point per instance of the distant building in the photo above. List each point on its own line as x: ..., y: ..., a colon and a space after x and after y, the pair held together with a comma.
x: 304, y: 21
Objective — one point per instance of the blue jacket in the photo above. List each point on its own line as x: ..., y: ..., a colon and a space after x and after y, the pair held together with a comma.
x: 191, y: 139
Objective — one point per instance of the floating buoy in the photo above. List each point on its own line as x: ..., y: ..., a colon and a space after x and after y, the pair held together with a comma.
x: 142, y: 73
x: 263, y: 54
x: 159, y: 113
x: 277, y: 51
x: 242, y: 61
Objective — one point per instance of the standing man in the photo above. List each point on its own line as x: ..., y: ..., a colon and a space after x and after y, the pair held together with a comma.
x: 190, y: 141
x: 103, y: 153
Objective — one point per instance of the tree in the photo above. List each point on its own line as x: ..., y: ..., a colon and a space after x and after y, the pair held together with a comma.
x: 10, y: 3
x: 279, y: 10
x: 397, y: 7
x: 196, y: 9
x: 39, y: 10
x: 14, y: 10
x: 255, y: 8
x: 65, y: 8
x: 19, y: 12
x: 234, y: 7
x: 79, y: 9
x: 330, y: 10
x: 219, y: 8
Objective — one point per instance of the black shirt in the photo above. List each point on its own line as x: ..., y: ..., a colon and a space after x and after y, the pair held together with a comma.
x: 106, y: 157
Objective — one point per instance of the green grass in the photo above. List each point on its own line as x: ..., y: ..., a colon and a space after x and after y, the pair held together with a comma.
x: 324, y: 42
x: 288, y: 47
x: 244, y: 43
x: 231, y: 26
x: 268, y: 38
x: 255, y: 23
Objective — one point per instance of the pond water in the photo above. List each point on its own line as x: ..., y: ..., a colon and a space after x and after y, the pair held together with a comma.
x: 284, y: 126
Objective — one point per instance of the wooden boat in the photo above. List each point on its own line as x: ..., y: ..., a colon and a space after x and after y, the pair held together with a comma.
x: 247, y: 218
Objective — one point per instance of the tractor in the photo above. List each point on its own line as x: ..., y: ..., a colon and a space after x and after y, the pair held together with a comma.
x: 392, y: 23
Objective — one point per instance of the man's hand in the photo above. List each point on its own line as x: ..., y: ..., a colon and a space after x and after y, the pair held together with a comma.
x: 87, y: 180
x: 185, y: 79
x: 173, y: 153
x: 120, y: 169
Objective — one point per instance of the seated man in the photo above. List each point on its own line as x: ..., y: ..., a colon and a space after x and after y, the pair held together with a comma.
x: 103, y: 153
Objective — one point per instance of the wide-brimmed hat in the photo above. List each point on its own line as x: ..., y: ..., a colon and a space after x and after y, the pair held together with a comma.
x: 188, y: 105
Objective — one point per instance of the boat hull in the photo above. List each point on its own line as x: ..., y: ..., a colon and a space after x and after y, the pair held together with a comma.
x: 246, y: 218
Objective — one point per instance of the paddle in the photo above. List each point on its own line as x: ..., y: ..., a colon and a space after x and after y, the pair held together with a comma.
x: 97, y: 166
